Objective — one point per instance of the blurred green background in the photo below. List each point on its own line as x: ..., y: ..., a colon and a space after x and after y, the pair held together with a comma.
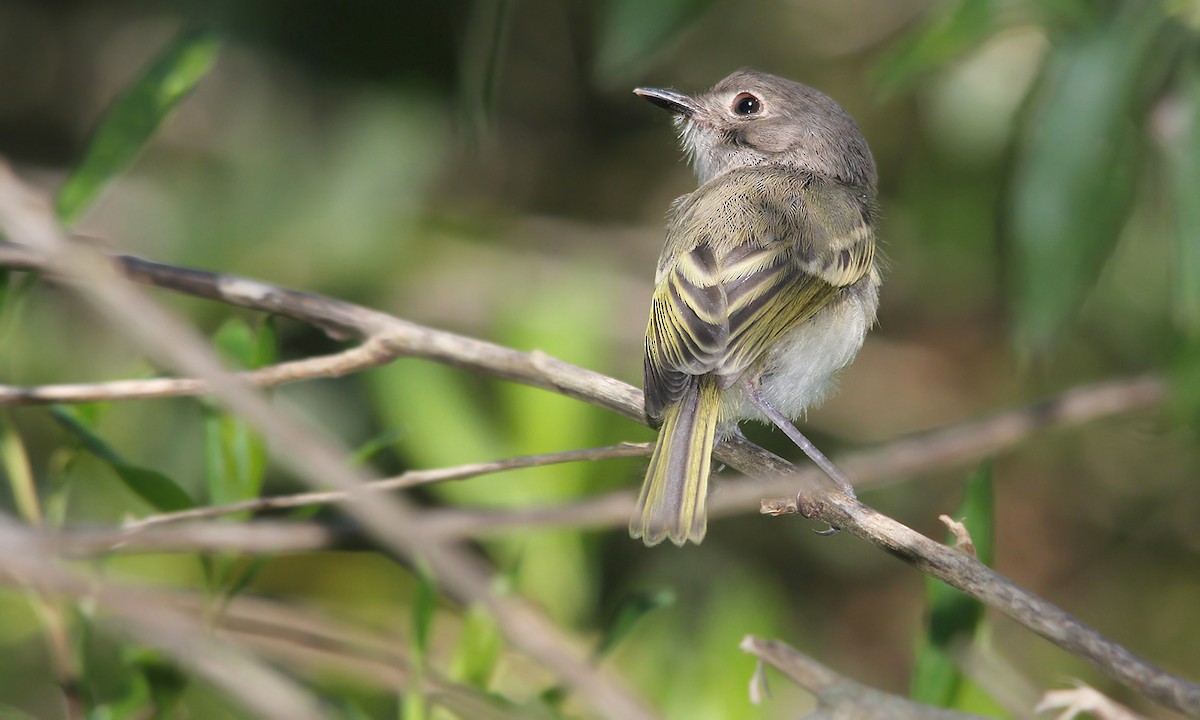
x: 483, y: 167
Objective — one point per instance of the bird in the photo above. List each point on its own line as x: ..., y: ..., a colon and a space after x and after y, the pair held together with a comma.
x: 766, y: 286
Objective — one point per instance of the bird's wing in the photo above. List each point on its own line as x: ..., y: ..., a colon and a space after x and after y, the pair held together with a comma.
x: 749, y: 256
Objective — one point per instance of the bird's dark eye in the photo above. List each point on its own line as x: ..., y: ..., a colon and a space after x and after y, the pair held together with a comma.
x: 746, y: 104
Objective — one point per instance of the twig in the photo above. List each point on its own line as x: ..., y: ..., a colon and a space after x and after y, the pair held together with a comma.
x: 372, y: 353
x: 28, y: 218
x: 410, y: 479
x: 343, y: 320
x: 256, y: 538
x: 838, y: 696
x: 960, y: 443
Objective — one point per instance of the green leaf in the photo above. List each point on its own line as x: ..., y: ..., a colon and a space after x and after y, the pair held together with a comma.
x: 631, y: 32
x: 478, y: 649
x: 165, y: 680
x: 160, y: 491
x: 237, y: 343
x: 384, y: 440
x: 14, y: 460
x: 632, y: 609
x: 134, y: 117
x: 154, y: 487
x: 954, y: 617
x: 1184, y: 397
x: 1075, y: 168
x: 947, y: 35
x: 14, y: 294
x: 1182, y: 154
x: 236, y: 454
x: 424, y: 609
x: 266, y: 347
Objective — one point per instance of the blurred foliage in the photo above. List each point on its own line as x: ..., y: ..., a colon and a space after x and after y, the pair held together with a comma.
x: 955, y: 619
x: 134, y: 118
x: 481, y: 166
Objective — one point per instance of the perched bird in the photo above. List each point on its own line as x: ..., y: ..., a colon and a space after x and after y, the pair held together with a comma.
x: 766, y: 286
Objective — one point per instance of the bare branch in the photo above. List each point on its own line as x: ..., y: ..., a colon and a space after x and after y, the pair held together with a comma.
x: 343, y: 320
x: 840, y: 697
x: 257, y: 538
x: 372, y: 353
x: 961, y: 443
x: 410, y: 479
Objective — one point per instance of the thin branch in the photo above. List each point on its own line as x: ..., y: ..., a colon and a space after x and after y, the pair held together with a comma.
x: 978, y: 580
x: 372, y: 353
x: 958, y: 444
x: 839, y: 696
x: 410, y: 479
x: 257, y: 538
x: 343, y: 320
x: 28, y: 218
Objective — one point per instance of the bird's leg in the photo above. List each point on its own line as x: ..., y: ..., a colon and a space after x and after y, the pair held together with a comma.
x: 794, y: 434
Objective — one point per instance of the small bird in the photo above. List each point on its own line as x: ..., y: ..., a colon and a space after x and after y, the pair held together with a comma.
x: 766, y: 286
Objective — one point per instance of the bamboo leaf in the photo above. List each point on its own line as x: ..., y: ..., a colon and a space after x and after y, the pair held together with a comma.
x: 947, y: 35
x: 160, y: 491
x: 954, y: 617
x: 631, y: 32
x: 1075, y: 166
x: 134, y: 117
x: 631, y: 610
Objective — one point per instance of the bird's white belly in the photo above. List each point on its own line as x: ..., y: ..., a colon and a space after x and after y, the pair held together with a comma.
x: 802, y: 366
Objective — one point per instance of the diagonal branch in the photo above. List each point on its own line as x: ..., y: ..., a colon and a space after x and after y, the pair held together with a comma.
x: 838, y: 696
x: 372, y: 353
x: 412, y: 478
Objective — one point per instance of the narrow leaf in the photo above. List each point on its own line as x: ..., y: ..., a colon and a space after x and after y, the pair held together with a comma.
x: 478, y: 650
x: 160, y: 491
x: 134, y: 117
x: 948, y: 34
x: 1075, y: 166
x: 954, y: 617
x: 1183, y: 161
x: 632, y: 32
x: 236, y: 454
x: 384, y: 440
x: 14, y: 293
x: 423, y: 610
x: 165, y: 680
x: 154, y: 487
x: 15, y: 462
x: 632, y: 609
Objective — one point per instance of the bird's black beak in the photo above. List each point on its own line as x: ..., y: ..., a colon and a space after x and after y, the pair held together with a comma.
x: 675, y: 102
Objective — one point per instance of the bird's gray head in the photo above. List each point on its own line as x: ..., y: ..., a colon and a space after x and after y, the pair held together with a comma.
x: 752, y: 118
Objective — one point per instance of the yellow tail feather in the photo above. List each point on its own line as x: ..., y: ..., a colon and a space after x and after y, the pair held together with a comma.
x: 672, y: 503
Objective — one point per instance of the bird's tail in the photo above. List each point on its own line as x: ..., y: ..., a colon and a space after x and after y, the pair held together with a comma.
x: 672, y: 503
